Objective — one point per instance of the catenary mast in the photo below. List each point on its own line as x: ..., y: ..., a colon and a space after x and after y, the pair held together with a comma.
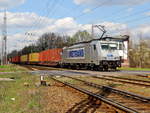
x: 4, y: 40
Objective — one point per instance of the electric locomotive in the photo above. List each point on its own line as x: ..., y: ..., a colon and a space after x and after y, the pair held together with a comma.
x: 95, y: 54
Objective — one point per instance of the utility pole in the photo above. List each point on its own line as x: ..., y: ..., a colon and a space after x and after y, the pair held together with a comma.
x: 4, y: 40
x: 2, y: 49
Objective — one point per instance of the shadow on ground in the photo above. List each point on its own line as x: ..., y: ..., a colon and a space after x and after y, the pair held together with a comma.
x: 90, y: 104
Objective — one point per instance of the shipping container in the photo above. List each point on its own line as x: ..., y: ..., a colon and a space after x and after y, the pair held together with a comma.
x: 50, y: 57
x: 24, y: 59
x: 33, y: 58
x: 15, y: 59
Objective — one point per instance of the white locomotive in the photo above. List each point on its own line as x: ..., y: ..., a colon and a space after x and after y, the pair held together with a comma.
x: 95, y: 54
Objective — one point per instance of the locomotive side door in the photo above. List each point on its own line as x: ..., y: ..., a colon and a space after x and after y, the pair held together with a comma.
x: 94, y: 54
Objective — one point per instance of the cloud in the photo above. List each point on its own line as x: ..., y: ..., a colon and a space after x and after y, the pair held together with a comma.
x: 144, y: 30
x: 147, y: 13
x: 66, y: 25
x: 110, y: 2
x: 112, y: 27
x: 62, y: 26
x: 129, y: 9
x: 10, y: 3
x: 87, y: 11
x: 24, y: 20
x: 18, y: 41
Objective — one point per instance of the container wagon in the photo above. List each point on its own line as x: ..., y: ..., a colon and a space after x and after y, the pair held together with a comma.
x: 24, y: 59
x: 33, y: 58
x: 51, y: 57
x: 15, y: 60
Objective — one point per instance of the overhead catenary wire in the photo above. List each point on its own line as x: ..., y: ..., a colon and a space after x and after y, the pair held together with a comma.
x: 120, y: 11
x: 136, y: 19
x: 52, y: 11
x: 116, y: 13
x: 70, y: 11
x: 98, y: 6
x: 133, y: 14
x: 84, y: 13
x: 91, y: 9
x: 37, y: 22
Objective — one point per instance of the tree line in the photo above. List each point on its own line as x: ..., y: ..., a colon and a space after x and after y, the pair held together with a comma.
x: 139, y: 54
x: 52, y: 40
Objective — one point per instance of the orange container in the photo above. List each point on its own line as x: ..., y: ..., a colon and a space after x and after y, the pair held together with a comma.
x: 50, y: 57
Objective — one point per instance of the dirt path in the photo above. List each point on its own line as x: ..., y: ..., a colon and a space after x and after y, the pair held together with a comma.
x: 6, y: 79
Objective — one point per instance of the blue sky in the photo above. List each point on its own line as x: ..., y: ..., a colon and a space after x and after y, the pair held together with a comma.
x: 68, y: 8
x: 68, y: 16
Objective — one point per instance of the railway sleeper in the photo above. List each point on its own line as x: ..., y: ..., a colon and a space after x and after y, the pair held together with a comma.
x: 108, y: 101
x: 108, y: 89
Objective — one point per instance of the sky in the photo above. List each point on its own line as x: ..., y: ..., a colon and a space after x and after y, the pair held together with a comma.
x: 120, y: 17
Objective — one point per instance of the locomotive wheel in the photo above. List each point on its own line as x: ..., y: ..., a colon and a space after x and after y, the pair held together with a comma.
x: 77, y: 67
x: 73, y: 67
x: 105, y: 68
x: 88, y: 68
x: 99, y: 68
x: 114, y: 68
x: 92, y: 68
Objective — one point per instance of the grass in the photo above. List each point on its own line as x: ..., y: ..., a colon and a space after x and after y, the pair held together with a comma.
x: 11, y: 68
x: 134, y: 69
x: 15, y: 97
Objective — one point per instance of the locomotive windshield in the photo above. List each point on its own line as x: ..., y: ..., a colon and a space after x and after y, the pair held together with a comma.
x: 109, y: 46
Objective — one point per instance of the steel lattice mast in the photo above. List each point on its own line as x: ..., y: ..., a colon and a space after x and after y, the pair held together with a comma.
x: 4, y: 40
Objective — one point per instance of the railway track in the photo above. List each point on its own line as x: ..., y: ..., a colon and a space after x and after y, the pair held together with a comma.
x: 124, y: 80
x: 104, y: 77
x: 40, y: 67
x: 121, y: 92
x: 126, y: 101
x: 121, y: 100
x: 136, y: 80
x: 116, y: 105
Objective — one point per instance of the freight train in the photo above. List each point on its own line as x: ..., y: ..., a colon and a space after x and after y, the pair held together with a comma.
x: 95, y: 55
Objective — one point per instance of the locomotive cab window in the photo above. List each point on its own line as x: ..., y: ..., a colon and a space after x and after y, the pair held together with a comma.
x: 109, y: 46
x: 105, y: 46
x: 113, y: 46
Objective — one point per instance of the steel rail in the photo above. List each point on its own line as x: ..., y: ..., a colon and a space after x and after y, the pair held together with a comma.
x: 127, y: 79
x: 125, y: 93
x: 108, y: 101
x: 116, y: 80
